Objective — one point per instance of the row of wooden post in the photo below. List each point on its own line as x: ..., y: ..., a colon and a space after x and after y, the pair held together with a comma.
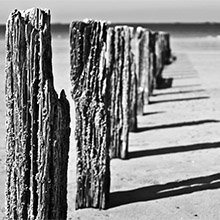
x: 113, y: 72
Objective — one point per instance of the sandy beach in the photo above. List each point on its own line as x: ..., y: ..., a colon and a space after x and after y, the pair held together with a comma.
x: 173, y: 168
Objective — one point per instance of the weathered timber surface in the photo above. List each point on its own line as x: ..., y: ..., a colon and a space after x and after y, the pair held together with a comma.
x: 90, y: 92
x: 119, y: 55
x: 133, y: 96
x: 166, y: 47
x: 37, y: 122
x: 152, y: 64
x: 133, y: 86
x: 142, y: 55
x: 163, y: 54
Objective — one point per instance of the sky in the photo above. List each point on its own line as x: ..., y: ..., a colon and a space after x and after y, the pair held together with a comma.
x: 65, y: 11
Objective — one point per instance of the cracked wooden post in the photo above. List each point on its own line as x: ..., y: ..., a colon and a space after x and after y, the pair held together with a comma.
x: 142, y: 67
x: 133, y: 96
x: 163, y: 55
x: 152, y: 64
x: 37, y: 122
x: 91, y: 96
x: 119, y: 41
x: 133, y: 86
x: 165, y: 38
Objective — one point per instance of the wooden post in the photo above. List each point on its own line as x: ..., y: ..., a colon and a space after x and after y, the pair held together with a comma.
x: 37, y: 122
x: 133, y: 96
x: 91, y: 96
x: 152, y: 64
x: 119, y: 39
x: 166, y: 47
x: 159, y: 59
x: 163, y: 55
x: 133, y: 86
x: 142, y: 67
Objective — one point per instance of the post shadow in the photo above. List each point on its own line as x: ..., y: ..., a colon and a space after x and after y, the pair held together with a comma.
x: 164, y: 83
x: 180, y: 100
x: 185, y: 77
x: 152, y: 113
x: 185, y: 86
x: 180, y: 92
x: 175, y: 125
x: 167, y: 190
x: 171, y: 150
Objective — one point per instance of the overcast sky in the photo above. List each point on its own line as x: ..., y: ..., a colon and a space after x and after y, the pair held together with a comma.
x: 64, y: 11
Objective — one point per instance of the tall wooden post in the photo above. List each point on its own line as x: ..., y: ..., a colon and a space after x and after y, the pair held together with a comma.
x: 133, y: 96
x: 159, y: 59
x: 37, y: 122
x: 133, y: 85
x: 163, y: 55
x: 165, y: 38
x: 142, y: 67
x: 152, y: 64
x: 119, y: 40
x: 91, y: 96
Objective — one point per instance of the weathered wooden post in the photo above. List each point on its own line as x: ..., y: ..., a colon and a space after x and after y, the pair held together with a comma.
x: 133, y: 96
x: 163, y: 55
x: 37, y: 122
x: 159, y: 59
x: 91, y: 96
x: 142, y: 55
x: 166, y: 47
x: 133, y: 85
x: 152, y: 64
x: 119, y: 40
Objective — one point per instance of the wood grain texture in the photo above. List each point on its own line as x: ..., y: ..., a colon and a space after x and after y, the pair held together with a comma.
x: 120, y: 55
x: 152, y: 66
x: 163, y: 54
x: 37, y: 122
x: 90, y: 93
x: 142, y: 55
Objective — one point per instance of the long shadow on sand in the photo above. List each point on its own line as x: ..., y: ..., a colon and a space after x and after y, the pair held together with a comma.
x: 179, y: 92
x: 171, y: 189
x: 171, y: 150
x: 186, y: 77
x: 175, y: 125
x: 186, y: 86
x: 180, y: 100
x: 152, y: 113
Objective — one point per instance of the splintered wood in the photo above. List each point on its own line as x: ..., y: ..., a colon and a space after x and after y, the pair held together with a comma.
x: 37, y: 122
x: 142, y: 54
x: 163, y: 55
x: 120, y: 65
x: 90, y: 91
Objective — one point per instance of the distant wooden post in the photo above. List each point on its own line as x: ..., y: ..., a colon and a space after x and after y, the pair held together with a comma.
x: 152, y: 64
x: 91, y: 96
x: 163, y: 54
x: 119, y: 42
x: 142, y: 67
x: 166, y: 47
x: 159, y: 59
x: 133, y: 96
x: 37, y: 122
